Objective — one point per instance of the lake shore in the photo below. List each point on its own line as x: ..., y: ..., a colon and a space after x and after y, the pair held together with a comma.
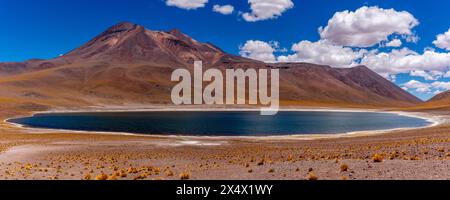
x: 434, y: 120
x: 421, y: 153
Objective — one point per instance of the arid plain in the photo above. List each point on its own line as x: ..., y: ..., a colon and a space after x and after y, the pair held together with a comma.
x: 126, y: 68
x: 48, y: 154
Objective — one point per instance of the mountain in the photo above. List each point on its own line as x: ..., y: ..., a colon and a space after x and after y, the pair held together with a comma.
x: 127, y: 43
x: 439, y: 102
x: 442, y: 97
x: 128, y: 64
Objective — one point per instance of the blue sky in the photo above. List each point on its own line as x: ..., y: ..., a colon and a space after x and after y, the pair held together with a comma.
x: 48, y: 28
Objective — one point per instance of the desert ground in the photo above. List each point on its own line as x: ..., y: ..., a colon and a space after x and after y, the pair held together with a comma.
x: 129, y: 64
x: 31, y: 154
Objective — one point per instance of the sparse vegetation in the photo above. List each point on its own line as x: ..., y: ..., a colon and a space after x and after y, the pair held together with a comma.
x: 311, y: 176
x: 344, y: 167
x: 101, y: 177
x: 185, y: 175
x: 87, y: 177
x: 377, y: 158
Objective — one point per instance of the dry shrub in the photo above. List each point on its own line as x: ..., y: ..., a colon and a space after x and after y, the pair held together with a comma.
x: 132, y: 170
x: 312, y: 176
x: 185, y: 176
x: 344, y: 167
x: 112, y: 177
x: 260, y: 163
x: 101, y: 177
x: 377, y: 158
x: 87, y: 177
x: 290, y: 158
x: 169, y: 173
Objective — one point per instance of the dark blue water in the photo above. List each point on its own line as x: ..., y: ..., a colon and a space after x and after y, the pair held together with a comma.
x: 222, y: 123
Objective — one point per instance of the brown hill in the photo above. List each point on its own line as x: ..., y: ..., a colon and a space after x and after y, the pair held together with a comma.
x: 439, y: 102
x: 442, y: 97
x: 128, y: 64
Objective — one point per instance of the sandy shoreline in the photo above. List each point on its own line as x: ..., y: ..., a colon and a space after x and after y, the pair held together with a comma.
x: 413, y: 153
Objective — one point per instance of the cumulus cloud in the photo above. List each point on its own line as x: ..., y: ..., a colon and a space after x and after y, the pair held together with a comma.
x: 405, y: 60
x: 394, y: 43
x: 266, y: 9
x: 187, y: 4
x: 259, y: 50
x: 346, y: 35
x: 427, y: 75
x: 443, y: 40
x: 421, y: 87
x: 367, y: 26
x: 225, y: 9
x: 447, y: 75
x: 430, y: 65
x: 418, y: 86
x: 324, y: 53
x: 441, y: 85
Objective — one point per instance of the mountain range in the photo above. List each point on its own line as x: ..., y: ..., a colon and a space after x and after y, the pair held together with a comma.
x: 129, y: 64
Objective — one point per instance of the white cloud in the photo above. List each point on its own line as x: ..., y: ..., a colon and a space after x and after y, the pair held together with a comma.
x: 443, y: 40
x: 367, y: 26
x: 427, y: 75
x: 362, y: 28
x: 394, y: 43
x: 441, y: 85
x: 392, y: 78
x: 418, y: 86
x: 422, y: 87
x: 323, y: 53
x: 266, y: 9
x: 430, y: 65
x: 411, y: 38
x: 437, y: 92
x: 259, y: 50
x: 447, y: 75
x: 187, y: 4
x: 405, y: 61
x: 225, y: 9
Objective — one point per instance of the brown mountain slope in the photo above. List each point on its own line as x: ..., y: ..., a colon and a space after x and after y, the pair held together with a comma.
x: 128, y: 64
x: 439, y: 102
x: 442, y: 97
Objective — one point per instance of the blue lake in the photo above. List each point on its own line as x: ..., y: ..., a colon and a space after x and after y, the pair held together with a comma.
x: 240, y: 123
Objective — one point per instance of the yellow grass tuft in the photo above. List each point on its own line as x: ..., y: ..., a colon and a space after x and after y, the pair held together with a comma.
x: 169, y: 173
x: 132, y: 170
x: 344, y: 167
x: 112, y: 178
x: 290, y: 158
x: 101, y: 177
x: 87, y: 177
x: 312, y: 176
x: 377, y: 158
x: 185, y: 176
